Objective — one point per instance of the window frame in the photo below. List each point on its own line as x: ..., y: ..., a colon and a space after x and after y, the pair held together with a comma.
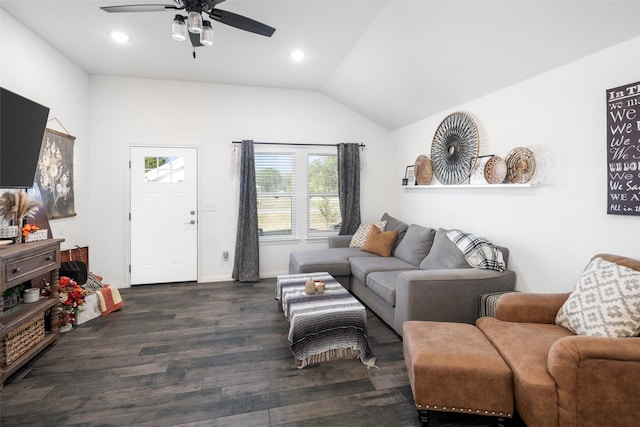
x: 300, y: 197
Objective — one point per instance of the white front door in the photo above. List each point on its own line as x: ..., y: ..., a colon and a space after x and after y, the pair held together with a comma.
x: 164, y: 215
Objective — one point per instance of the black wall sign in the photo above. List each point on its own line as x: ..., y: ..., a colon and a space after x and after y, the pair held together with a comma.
x: 623, y: 150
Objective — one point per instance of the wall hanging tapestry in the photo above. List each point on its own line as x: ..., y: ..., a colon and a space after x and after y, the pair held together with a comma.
x: 623, y: 150
x: 54, y: 174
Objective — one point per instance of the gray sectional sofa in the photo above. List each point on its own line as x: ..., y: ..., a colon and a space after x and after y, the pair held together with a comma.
x: 427, y: 276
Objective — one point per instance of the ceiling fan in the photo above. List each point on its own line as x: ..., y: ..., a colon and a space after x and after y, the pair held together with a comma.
x: 199, y: 30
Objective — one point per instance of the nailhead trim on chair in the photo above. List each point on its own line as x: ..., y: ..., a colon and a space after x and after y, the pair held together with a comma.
x: 478, y: 411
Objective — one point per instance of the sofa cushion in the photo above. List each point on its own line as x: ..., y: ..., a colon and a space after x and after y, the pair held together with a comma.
x: 362, y: 266
x: 395, y: 224
x: 525, y: 347
x: 361, y: 234
x: 604, y: 302
x: 444, y: 254
x: 415, y: 245
x: 379, y: 242
x: 333, y: 261
x: 383, y: 284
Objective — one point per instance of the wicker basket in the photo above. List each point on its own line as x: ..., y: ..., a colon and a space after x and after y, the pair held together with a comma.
x: 22, y: 339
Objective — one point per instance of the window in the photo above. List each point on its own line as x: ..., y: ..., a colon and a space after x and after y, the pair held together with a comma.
x: 297, y: 193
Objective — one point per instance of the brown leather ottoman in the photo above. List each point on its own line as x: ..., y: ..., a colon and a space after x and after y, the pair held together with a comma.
x: 453, y: 368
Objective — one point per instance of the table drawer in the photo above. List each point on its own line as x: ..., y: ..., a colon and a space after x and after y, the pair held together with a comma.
x: 23, y: 267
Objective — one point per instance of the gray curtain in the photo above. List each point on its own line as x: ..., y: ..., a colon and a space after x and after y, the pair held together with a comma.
x: 349, y: 187
x: 246, y: 264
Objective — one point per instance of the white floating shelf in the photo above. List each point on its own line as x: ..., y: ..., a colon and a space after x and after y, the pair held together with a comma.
x: 468, y: 186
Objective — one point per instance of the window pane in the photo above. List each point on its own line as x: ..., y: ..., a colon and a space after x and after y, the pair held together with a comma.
x: 274, y: 215
x: 323, y: 173
x: 164, y: 169
x: 275, y: 184
x: 324, y: 213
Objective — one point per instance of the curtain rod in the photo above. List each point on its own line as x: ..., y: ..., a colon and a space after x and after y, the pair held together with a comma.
x: 361, y: 145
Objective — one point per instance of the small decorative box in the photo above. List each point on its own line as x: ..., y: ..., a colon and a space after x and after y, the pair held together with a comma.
x: 35, y: 236
x: 8, y: 231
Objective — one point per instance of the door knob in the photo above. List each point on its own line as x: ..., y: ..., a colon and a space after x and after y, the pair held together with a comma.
x: 193, y: 212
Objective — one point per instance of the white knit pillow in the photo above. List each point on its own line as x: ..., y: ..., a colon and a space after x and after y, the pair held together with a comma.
x: 605, y: 302
x: 361, y: 234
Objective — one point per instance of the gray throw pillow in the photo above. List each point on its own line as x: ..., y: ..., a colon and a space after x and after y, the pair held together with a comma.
x: 416, y: 244
x: 395, y: 224
x: 444, y: 254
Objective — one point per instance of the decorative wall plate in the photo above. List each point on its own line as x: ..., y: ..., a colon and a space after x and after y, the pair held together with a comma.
x: 454, y: 150
x: 424, y: 171
x: 495, y: 170
x: 521, y: 165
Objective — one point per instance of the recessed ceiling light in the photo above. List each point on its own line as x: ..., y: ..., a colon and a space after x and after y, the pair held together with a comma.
x: 297, y: 55
x: 119, y: 36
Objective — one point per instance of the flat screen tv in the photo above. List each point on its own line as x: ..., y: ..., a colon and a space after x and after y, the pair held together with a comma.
x: 22, y: 125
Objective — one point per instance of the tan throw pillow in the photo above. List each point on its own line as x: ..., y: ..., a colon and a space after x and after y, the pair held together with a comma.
x: 361, y: 234
x: 379, y: 242
x: 605, y: 301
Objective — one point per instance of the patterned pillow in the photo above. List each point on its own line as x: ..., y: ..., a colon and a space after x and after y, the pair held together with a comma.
x: 604, y: 302
x: 361, y: 234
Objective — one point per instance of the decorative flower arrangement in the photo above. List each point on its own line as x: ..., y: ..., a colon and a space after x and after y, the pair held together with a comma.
x: 28, y: 229
x: 71, y: 302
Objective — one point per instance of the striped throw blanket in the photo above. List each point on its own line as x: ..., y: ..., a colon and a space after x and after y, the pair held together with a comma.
x: 324, y: 326
x: 478, y: 251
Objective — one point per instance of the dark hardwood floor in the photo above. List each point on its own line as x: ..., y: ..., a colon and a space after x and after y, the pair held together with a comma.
x: 209, y: 354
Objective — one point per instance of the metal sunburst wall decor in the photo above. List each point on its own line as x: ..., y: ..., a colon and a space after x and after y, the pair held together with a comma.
x: 455, y: 147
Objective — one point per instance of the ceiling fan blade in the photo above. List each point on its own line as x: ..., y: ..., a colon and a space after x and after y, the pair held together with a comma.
x: 140, y: 8
x: 241, y: 22
x: 195, y: 39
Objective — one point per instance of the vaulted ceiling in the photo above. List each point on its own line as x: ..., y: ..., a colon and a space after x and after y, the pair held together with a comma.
x: 393, y: 61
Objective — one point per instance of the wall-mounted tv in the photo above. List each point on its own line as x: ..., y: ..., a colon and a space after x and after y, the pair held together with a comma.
x: 22, y: 125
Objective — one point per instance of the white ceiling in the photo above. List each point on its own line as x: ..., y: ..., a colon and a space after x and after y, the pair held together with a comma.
x: 393, y: 61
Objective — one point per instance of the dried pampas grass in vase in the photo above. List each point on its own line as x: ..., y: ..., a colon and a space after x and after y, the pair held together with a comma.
x: 16, y: 205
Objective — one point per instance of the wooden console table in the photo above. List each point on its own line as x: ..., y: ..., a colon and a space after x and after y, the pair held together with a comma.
x: 20, y: 263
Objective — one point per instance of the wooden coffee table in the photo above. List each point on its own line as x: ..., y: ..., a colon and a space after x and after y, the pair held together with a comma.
x: 323, y: 327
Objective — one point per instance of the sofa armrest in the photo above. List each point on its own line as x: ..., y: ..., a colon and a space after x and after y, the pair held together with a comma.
x: 597, y: 378
x: 340, y: 241
x: 529, y: 307
x: 446, y: 295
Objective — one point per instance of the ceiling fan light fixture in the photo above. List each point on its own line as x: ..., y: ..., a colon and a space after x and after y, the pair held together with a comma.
x: 206, y: 37
x: 194, y: 23
x: 179, y: 29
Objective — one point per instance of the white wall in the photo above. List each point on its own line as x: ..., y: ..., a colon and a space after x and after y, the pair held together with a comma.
x: 552, y: 230
x: 33, y: 69
x: 127, y: 111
